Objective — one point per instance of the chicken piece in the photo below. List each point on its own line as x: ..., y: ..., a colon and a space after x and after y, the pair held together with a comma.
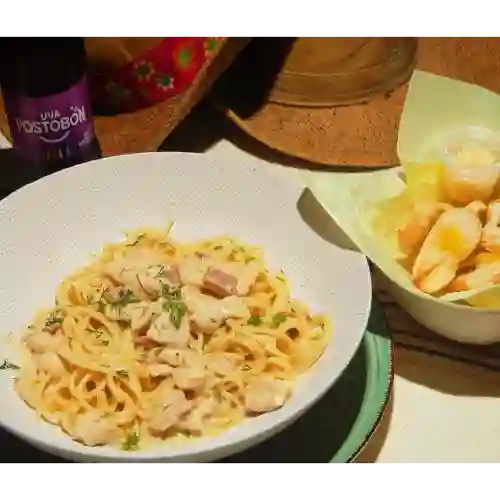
x: 471, y: 175
x: 482, y: 276
x: 202, y: 409
x: 453, y: 238
x: 164, y: 332
x: 138, y: 314
x: 140, y: 284
x: 208, y: 313
x: 231, y: 278
x: 141, y: 314
x: 116, y: 301
x: 43, y: 341
x: 413, y: 234
x: 190, y: 377
x: 51, y: 363
x: 193, y: 269
x: 114, y: 313
x: 490, y: 239
x: 132, y: 281
x: 191, y: 359
x: 144, y: 271
x: 135, y: 258
x: 144, y: 341
x: 172, y: 357
x: 171, y: 275
x: 179, y: 357
x: 154, y: 279
x: 173, y: 407
x: 158, y: 370
x: 220, y: 363
x: 205, y: 312
x: 234, y: 307
x: 114, y: 269
x: 93, y: 430
x: 265, y: 394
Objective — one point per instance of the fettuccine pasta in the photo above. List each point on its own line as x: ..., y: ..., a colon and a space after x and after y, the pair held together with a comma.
x: 157, y: 340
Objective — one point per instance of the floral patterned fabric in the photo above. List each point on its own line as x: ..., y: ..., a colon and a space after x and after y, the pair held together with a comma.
x: 163, y: 71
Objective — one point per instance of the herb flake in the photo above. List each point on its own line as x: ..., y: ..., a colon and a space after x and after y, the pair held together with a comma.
x: 140, y: 236
x: 177, y: 310
x: 255, y: 320
x: 277, y: 320
x: 173, y: 304
x: 160, y: 273
x: 131, y: 442
x: 53, y: 319
x: 125, y: 297
x: 98, y: 335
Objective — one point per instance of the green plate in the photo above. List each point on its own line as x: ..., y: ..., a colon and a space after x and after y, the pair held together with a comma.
x: 334, y: 430
x: 341, y: 423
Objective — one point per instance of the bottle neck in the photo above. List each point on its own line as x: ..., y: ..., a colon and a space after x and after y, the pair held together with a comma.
x: 38, y: 67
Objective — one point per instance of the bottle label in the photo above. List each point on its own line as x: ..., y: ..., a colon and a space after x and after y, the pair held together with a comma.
x: 51, y: 128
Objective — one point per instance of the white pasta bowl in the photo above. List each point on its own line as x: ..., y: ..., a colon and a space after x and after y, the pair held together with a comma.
x: 51, y: 227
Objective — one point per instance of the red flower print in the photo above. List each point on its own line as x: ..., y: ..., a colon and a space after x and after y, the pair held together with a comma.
x: 143, y: 70
x: 165, y: 82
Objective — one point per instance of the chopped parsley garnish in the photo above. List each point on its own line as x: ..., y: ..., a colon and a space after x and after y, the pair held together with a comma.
x: 177, y: 312
x: 131, y: 442
x: 53, y: 319
x: 140, y: 236
x: 173, y: 304
x: 277, y: 320
x: 170, y: 293
x: 255, y: 321
x: 7, y: 365
x: 98, y: 334
x: 125, y: 297
x: 161, y: 273
x: 101, y: 301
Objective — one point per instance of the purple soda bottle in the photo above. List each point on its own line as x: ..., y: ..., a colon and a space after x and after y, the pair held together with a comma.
x: 47, y: 102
